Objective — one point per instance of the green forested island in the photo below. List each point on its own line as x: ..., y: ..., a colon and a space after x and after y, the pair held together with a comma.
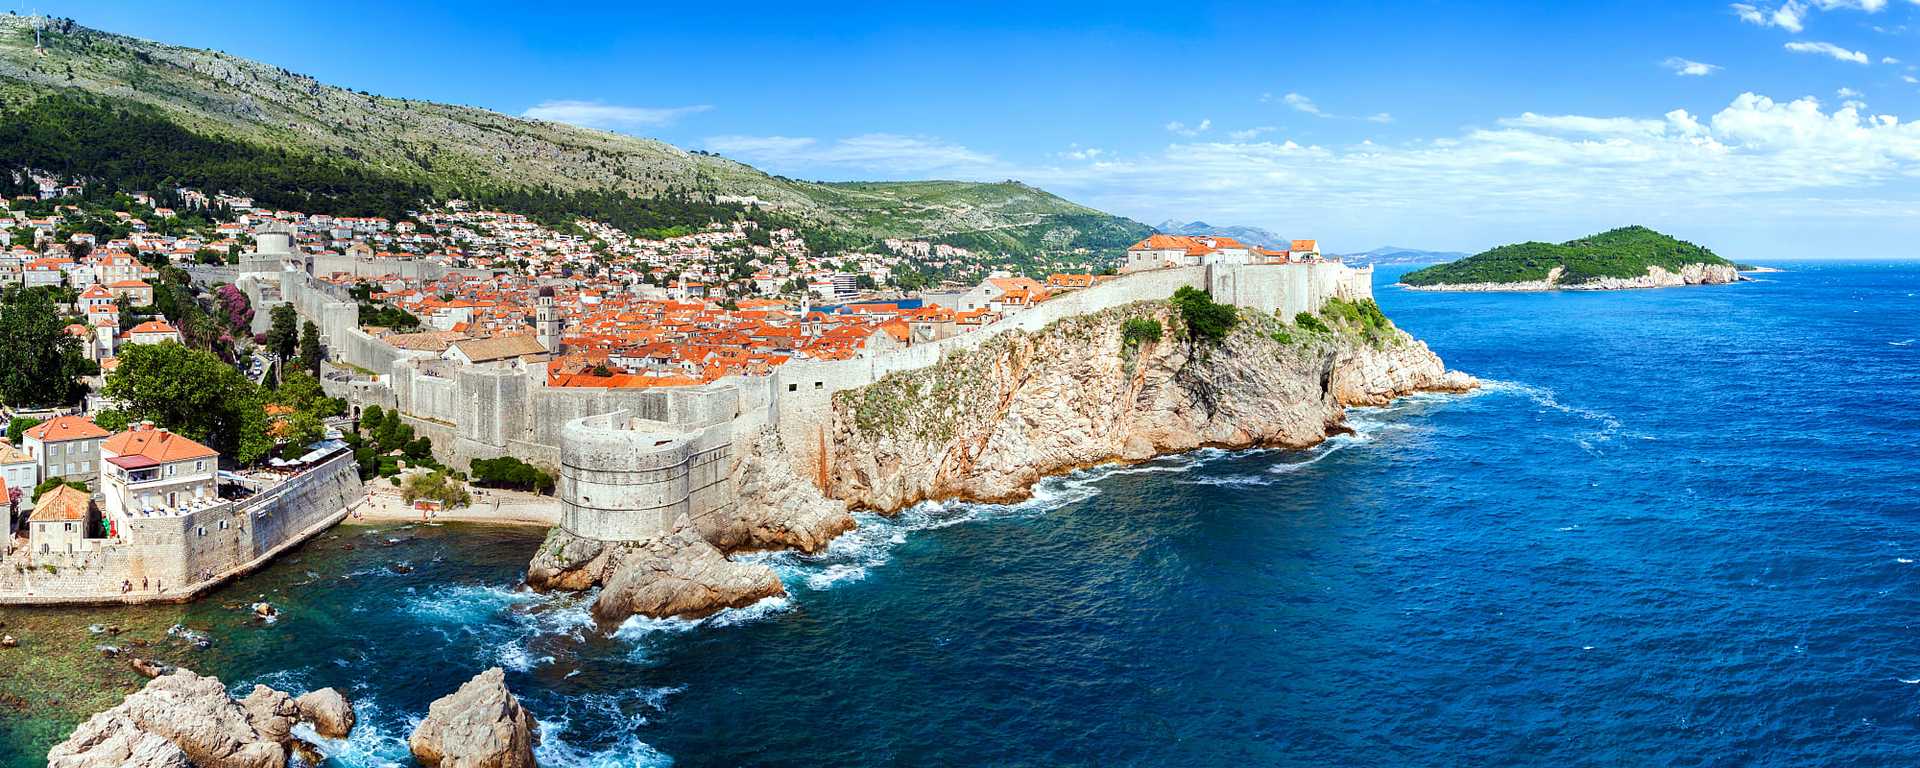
x: 1623, y: 254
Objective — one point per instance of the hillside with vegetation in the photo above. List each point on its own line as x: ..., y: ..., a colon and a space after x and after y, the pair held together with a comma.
x: 218, y: 120
x: 1623, y: 253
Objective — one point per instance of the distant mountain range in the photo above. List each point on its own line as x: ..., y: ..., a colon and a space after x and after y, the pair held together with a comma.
x: 1396, y: 255
x: 1248, y: 235
x: 320, y: 139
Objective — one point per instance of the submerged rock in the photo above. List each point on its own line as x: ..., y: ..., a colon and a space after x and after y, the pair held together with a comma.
x: 182, y: 719
x: 481, y: 725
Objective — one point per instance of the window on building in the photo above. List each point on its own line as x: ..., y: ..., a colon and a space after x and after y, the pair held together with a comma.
x: 69, y: 526
x: 202, y: 531
x: 819, y: 385
x: 170, y: 469
x: 199, y: 466
x: 793, y: 387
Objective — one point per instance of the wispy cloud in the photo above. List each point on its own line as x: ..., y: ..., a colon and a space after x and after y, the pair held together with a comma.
x: 1689, y: 67
x: 611, y: 117
x: 1190, y: 130
x: 1250, y: 133
x: 873, y: 152
x: 1301, y: 103
x: 1828, y: 49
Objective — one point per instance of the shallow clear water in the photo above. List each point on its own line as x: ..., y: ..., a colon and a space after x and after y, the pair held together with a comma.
x: 1678, y: 528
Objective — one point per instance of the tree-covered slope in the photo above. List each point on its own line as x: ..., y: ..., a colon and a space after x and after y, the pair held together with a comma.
x: 463, y: 151
x: 1626, y: 252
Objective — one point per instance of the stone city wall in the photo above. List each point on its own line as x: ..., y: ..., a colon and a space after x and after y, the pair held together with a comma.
x: 488, y: 411
x: 180, y: 557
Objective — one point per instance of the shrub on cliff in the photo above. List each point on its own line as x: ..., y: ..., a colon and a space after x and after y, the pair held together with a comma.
x: 1205, y: 319
x: 1308, y: 322
x: 1139, y: 330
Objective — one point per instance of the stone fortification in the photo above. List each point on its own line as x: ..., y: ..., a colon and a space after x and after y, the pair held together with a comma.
x: 170, y: 559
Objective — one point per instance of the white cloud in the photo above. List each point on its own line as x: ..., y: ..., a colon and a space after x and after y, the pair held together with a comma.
x: 1848, y: 93
x: 1077, y: 152
x: 1828, y: 49
x: 1250, y: 133
x: 1689, y: 67
x: 1910, y: 79
x: 873, y: 152
x: 1303, y: 104
x: 611, y: 117
x: 1788, y: 16
x: 1380, y: 117
x: 1190, y: 130
x: 1889, y: 60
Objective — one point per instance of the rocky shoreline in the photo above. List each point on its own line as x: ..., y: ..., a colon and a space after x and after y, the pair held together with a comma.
x: 1656, y: 277
x: 184, y: 720
x: 989, y: 423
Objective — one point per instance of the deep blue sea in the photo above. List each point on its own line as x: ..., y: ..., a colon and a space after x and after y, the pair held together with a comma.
x: 1677, y: 527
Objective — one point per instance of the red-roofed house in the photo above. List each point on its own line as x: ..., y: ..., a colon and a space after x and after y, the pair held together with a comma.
x: 152, y: 332
x: 147, y: 471
x: 64, y: 446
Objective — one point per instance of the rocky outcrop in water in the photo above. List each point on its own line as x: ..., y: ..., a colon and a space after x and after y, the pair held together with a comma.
x: 686, y: 573
x: 988, y: 423
x: 1656, y: 277
x: 677, y: 575
x: 481, y: 725
x: 181, y: 719
x: 328, y: 711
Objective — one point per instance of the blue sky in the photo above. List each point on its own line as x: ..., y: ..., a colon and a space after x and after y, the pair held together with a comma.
x: 1762, y: 129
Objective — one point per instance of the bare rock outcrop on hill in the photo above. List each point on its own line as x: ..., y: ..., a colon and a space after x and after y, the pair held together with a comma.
x: 988, y: 423
x: 481, y: 725
x: 181, y: 719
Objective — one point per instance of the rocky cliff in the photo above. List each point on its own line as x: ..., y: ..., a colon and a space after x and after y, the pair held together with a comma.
x: 1656, y: 277
x: 1125, y: 384
x: 988, y: 423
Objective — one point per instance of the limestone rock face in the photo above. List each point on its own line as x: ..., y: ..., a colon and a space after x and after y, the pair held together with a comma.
x: 776, y: 510
x: 988, y: 423
x: 177, y: 719
x: 332, y: 716
x: 568, y: 562
x: 481, y: 725
x: 271, y: 713
x: 682, y: 575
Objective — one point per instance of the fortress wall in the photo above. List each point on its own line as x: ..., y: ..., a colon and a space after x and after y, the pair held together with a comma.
x: 627, y: 480
x: 191, y: 553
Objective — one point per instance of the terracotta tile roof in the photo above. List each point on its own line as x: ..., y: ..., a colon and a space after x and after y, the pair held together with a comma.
x: 63, y: 504
x: 499, y: 348
x: 61, y: 428
x: 152, y: 326
x: 157, y: 444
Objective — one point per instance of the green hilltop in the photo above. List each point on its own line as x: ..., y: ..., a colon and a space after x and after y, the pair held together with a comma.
x: 320, y: 143
x: 1626, y: 252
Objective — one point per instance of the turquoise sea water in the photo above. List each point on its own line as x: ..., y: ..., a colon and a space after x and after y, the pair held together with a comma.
x: 1678, y: 527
